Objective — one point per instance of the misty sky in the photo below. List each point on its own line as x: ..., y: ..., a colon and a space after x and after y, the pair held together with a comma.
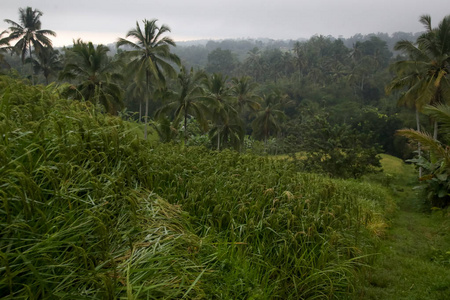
x: 103, y: 21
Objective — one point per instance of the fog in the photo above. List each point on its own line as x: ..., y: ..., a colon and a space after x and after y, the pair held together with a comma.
x: 105, y: 21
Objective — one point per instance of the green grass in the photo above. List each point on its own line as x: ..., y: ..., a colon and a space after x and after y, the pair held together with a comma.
x: 414, y: 260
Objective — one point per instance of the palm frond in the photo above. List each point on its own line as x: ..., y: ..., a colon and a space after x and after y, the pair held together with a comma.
x: 426, y: 140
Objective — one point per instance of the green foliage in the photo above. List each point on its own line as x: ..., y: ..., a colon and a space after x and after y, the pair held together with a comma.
x: 90, y: 210
x: 95, y: 74
x: 4, y: 46
x: 149, y: 59
x: 28, y: 32
x: 437, y: 161
x: 267, y: 121
x: 221, y: 61
x: 187, y: 100
x: 76, y: 222
x: 47, y: 62
x: 376, y: 48
x: 336, y: 150
x: 227, y: 128
x: 381, y: 127
x: 422, y: 75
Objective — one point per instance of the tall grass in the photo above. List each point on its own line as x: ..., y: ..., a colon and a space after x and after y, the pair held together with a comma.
x: 90, y: 210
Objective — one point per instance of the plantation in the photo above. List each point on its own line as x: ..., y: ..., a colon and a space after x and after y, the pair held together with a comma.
x: 89, y: 209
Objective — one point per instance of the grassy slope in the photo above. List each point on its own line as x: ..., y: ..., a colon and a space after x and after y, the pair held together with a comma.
x: 413, y: 261
x: 88, y: 210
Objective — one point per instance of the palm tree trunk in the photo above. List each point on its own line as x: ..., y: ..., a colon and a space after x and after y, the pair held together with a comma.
x: 218, y: 139
x: 419, y: 151
x: 185, y: 127
x: 31, y: 64
x: 140, y: 110
x: 146, y: 104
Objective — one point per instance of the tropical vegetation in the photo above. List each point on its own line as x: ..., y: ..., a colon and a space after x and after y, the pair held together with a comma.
x: 96, y: 73
x: 90, y: 209
x: 236, y: 169
x: 150, y: 57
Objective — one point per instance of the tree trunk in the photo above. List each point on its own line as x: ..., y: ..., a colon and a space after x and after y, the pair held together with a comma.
x: 419, y: 151
x: 218, y: 139
x: 31, y: 63
x: 185, y: 126
x: 140, y: 110
x: 146, y: 104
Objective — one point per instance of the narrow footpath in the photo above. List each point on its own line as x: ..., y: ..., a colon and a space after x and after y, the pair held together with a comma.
x: 414, y: 256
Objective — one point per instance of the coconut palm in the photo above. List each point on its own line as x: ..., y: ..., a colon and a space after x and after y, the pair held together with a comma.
x: 4, y: 45
x: 135, y: 91
x: 167, y: 130
x: 438, y: 165
x: 424, y: 74
x: 28, y: 32
x: 150, y: 56
x: 188, y: 100
x: 267, y: 121
x: 254, y: 63
x: 225, y: 117
x: 409, y: 76
x: 300, y: 61
x: 228, y: 133
x: 92, y: 67
x: 243, y: 91
x: 47, y: 61
x: 436, y: 43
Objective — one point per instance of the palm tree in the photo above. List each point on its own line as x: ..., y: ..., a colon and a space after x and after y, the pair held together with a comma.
x: 243, y: 90
x: 436, y: 43
x: 300, y: 60
x: 94, y: 70
x: 254, y: 63
x: 150, y: 56
x: 47, y: 61
x: 267, y: 120
x: 425, y: 73
x: 166, y: 130
x: 438, y: 166
x: 409, y: 75
x: 4, y: 46
x: 188, y: 100
x: 135, y: 90
x: 28, y: 32
x: 224, y: 116
x: 229, y: 132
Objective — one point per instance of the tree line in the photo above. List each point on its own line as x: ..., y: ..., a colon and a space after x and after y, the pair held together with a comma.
x: 145, y: 70
x: 319, y: 95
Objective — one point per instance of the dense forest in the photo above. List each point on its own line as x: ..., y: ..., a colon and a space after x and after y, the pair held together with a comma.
x: 251, y: 94
x: 209, y: 169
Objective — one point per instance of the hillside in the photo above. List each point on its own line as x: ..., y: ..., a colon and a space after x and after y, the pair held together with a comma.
x: 91, y: 210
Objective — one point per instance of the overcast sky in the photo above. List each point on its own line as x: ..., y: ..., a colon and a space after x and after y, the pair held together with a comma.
x: 103, y: 21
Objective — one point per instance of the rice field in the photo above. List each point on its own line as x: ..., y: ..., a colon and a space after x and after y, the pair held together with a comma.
x: 90, y: 210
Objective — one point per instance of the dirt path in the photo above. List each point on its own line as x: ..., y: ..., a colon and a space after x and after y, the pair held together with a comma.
x: 414, y: 260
